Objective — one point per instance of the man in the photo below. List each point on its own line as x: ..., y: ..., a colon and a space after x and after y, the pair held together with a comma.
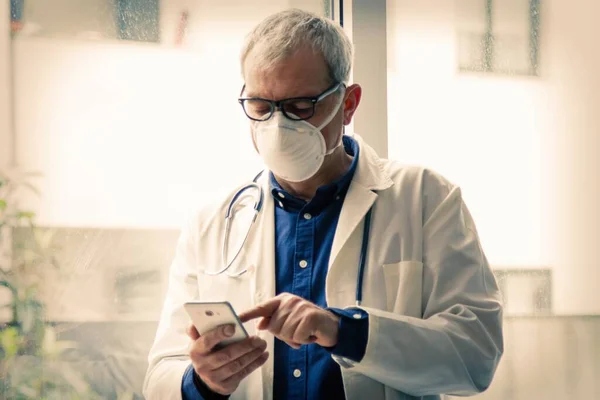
x: 430, y: 321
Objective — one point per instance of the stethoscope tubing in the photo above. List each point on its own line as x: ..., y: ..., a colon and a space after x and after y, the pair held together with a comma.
x: 258, y: 203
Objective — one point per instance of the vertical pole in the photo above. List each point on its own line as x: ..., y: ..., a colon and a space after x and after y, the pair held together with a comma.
x: 6, y: 141
x: 6, y: 124
x: 369, y: 35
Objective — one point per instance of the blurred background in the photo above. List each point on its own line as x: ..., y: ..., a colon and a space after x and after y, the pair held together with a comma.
x: 114, y: 113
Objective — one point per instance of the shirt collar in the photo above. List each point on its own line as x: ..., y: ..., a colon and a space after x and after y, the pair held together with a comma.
x: 326, y: 194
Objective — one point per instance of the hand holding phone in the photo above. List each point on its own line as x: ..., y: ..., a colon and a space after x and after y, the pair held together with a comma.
x: 223, y: 354
x: 207, y: 316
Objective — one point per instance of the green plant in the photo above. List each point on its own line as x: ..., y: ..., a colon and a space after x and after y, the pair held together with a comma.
x: 31, y: 365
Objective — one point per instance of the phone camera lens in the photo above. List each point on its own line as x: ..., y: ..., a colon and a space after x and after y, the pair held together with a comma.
x: 209, y: 313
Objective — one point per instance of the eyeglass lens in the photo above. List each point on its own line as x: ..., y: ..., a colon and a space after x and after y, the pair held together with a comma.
x: 261, y: 110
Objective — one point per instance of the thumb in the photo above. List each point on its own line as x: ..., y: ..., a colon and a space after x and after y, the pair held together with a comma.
x: 192, y: 332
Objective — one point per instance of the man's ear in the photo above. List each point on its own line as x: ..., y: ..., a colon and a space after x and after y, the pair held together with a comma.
x: 351, y: 102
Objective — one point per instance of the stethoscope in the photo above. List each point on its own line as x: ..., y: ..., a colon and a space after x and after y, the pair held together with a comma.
x: 257, y: 208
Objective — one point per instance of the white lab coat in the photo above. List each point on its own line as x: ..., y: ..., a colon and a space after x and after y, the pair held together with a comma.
x: 435, y: 313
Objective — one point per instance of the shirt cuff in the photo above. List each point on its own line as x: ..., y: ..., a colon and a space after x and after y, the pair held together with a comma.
x: 353, y: 333
x: 192, y: 388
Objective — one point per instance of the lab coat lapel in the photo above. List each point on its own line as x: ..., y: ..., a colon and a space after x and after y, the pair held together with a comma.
x: 357, y: 203
x: 264, y: 280
x: 345, y: 251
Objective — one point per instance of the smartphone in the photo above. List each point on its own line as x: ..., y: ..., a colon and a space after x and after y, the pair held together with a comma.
x: 207, y: 316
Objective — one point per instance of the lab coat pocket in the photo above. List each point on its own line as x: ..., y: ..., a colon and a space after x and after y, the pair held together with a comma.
x: 403, y: 287
x: 225, y: 288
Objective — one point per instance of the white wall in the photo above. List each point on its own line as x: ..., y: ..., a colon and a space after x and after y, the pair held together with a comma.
x: 482, y: 132
x: 128, y: 135
x: 132, y: 134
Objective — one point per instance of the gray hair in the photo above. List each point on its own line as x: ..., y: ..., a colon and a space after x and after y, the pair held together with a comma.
x: 282, y: 34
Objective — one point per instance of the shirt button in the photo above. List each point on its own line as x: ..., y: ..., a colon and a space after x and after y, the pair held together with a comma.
x: 307, y: 216
x: 297, y: 373
x: 303, y: 263
x: 281, y: 195
x: 357, y: 316
x: 280, y: 204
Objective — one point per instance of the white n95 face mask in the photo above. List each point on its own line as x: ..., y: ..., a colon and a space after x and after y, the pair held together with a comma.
x: 293, y: 150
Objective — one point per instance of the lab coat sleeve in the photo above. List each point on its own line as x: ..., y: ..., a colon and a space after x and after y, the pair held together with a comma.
x: 169, y: 358
x: 456, y: 347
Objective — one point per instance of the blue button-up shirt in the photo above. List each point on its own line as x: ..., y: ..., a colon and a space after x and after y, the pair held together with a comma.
x: 304, y: 233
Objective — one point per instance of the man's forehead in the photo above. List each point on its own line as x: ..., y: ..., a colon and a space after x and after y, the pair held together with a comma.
x: 298, y: 75
x: 276, y: 89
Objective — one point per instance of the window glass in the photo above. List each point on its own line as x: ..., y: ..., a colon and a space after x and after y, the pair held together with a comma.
x: 127, y: 109
x: 500, y: 97
x: 497, y: 36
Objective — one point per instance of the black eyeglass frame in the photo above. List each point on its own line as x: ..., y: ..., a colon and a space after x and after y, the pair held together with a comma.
x: 278, y: 104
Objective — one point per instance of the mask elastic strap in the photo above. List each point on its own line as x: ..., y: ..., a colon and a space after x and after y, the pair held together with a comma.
x: 338, y: 144
x: 330, y: 117
x: 328, y: 120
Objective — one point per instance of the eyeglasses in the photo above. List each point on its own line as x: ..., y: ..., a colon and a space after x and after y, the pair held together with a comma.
x: 295, y: 108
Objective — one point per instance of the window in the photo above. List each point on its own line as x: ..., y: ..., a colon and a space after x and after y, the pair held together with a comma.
x: 499, y: 36
x: 482, y: 132
x: 127, y: 108
x: 525, y: 154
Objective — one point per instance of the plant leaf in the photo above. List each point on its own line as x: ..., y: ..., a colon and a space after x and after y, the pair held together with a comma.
x: 26, y: 214
x: 9, y: 340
